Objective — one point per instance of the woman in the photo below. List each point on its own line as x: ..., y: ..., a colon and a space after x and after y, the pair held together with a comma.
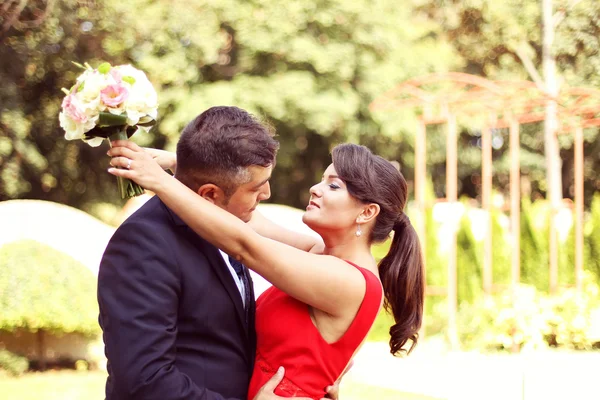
x: 322, y: 306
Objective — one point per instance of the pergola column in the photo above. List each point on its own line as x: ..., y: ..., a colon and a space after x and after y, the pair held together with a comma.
x: 420, y: 181
x: 515, y: 201
x: 579, y: 207
x: 486, y: 202
x: 451, y: 198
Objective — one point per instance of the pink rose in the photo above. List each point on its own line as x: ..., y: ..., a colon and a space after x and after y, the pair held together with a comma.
x: 72, y: 108
x: 113, y: 95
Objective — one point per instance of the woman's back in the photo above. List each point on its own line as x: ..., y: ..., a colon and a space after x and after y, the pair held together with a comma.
x: 288, y: 337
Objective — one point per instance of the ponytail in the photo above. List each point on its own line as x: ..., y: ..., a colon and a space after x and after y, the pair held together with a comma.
x: 371, y: 179
x: 403, y: 279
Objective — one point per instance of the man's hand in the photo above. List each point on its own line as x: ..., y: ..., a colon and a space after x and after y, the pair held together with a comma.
x: 266, y: 392
x: 333, y: 391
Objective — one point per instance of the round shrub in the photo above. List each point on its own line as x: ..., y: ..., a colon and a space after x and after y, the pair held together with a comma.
x: 44, y: 289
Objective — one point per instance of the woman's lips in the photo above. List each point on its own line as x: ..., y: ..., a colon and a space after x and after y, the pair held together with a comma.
x: 312, y: 204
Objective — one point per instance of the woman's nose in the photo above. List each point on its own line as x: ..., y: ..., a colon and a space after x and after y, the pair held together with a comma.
x: 315, y: 191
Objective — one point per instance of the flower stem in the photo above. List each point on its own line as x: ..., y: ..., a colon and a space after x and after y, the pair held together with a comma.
x: 127, y: 188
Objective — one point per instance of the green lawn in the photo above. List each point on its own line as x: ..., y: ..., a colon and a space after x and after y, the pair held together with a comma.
x: 54, y: 385
x: 358, y: 391
x: 71, y: 385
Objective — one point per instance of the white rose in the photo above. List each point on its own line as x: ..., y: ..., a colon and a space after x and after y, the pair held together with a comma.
x: 89, y: 93
x: 142, y: 100
x: 73, y: 130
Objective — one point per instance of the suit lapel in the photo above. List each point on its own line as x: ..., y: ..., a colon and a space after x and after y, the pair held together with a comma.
x: 222, y: 271
x: 218, y: 265
x: 215, y: 260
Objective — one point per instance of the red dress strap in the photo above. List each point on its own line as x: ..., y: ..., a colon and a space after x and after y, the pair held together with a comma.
x: 367, y: 312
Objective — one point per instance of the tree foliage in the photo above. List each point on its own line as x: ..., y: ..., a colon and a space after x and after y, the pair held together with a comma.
x: 309, y: 68
x: 493, y: 38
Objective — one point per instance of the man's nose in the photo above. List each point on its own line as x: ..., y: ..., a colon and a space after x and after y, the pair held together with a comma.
x: 266, y: 193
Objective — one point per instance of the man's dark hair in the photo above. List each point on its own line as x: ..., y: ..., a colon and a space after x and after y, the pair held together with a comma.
x: 219, y: 145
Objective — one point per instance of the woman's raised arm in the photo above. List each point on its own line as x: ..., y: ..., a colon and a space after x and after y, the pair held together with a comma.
x: 264, y: 226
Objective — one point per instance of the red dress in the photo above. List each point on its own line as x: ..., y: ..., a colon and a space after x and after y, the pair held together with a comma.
x: 286, y: 336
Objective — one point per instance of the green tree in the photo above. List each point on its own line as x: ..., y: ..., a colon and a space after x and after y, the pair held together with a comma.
x: 310, y: 68
x: 503, y: 40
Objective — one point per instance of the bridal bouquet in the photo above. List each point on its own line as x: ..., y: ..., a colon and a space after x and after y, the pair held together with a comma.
x: 109, y: 103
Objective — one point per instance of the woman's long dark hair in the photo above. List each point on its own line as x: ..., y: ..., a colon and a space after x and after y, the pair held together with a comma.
x: 372, y: 179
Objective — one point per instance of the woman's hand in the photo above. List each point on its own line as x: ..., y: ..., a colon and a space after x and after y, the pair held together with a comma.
x: 137, y: 165
x: 165, y: 159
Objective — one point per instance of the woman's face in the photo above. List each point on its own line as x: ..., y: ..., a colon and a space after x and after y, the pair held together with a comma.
x: 331, y: 208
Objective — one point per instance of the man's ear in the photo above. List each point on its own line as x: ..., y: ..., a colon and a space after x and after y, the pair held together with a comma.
x: 369, y: 213
x: 212, y: 193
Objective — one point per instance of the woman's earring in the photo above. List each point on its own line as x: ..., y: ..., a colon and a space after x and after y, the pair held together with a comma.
x: 358, y: 231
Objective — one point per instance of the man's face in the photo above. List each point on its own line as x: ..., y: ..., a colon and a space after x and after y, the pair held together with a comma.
x: 247, y: 196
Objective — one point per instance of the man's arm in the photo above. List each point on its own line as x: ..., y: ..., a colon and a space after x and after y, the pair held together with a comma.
x: 138, y: 290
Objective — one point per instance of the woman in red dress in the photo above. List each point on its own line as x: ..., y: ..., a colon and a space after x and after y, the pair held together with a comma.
x: 321, y: 306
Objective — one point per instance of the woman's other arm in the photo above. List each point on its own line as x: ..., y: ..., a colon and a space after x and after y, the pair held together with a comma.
x: 269, y: 229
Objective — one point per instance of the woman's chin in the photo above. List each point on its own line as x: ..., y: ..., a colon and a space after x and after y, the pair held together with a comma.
x: 312, y: 221
x: 308, y: 219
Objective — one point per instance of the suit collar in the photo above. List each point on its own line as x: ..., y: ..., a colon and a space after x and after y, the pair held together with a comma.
x: 176, y: 220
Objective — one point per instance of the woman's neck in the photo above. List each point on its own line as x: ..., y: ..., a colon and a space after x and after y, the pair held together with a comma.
x: 356, y: 251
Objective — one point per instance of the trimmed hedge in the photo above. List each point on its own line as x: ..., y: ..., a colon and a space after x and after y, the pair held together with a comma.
x: 44, y: 289
x: 12, y: 363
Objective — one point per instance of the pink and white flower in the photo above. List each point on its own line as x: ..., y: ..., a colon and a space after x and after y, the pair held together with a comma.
x: 122, y: 90
x: 114, y: 95
x: 73, y: 107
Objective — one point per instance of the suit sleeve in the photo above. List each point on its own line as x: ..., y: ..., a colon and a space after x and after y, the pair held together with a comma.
x: 138, y: 292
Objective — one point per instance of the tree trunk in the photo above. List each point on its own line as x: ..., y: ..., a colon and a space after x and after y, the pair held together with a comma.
x: 41, y: 350
x: 551, y: 147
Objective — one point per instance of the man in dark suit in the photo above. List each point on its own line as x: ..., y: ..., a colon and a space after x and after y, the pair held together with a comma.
x: 177, y: 315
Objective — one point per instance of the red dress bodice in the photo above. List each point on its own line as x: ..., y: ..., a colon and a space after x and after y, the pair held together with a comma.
x: 287, y: 336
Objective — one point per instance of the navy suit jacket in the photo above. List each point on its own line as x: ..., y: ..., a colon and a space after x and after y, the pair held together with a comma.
x: 172, y: 317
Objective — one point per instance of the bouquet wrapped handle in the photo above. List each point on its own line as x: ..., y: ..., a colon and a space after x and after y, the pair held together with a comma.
x: 127, y: 188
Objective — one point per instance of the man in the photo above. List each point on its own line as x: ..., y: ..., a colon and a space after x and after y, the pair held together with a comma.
x: 177, y: 317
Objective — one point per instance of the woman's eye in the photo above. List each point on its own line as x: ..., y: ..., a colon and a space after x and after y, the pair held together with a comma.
x: 333, y: 186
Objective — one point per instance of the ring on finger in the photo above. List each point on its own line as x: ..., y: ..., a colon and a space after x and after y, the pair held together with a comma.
x: 128, y: 164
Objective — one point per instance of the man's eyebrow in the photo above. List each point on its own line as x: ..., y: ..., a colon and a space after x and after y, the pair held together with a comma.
x: 262, y: 183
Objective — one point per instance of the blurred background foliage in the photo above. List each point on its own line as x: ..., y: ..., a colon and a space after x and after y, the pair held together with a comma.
x: 309, y: 68
x: 512, y: 319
